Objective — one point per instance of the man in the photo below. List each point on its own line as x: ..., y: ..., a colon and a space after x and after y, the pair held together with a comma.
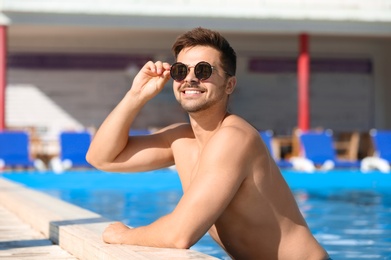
x: 232, y: 187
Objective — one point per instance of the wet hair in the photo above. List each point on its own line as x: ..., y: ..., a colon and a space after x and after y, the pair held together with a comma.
x: 204, y: 37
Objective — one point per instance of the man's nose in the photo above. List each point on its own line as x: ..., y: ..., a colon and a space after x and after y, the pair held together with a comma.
x: 191, y: 77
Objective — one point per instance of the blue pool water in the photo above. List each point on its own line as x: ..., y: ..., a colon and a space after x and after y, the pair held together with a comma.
x: 348, y: 212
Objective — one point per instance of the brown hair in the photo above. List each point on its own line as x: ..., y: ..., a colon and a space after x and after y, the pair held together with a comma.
x: 205, y: 37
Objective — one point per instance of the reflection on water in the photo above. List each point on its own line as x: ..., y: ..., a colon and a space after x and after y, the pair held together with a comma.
x: 350, y: 224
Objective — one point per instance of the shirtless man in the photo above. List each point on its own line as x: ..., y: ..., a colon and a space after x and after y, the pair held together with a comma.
x: 232, y: 187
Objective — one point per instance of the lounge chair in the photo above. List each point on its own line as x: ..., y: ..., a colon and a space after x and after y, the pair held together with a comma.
x: 317, y: 146
x: 73, y: 150
x: 134, y: 132
x: 267, y: 137
x: 74, y: 147
x: 296, y: 163
x: 381, y: 159
x: 14, y: 149
x: 381, y: 140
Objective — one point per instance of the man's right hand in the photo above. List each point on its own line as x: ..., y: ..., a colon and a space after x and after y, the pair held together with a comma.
x: 150, y: 80
x: 110, y: 149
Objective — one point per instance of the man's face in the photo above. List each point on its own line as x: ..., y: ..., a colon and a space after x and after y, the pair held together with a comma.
x: 197, y: 95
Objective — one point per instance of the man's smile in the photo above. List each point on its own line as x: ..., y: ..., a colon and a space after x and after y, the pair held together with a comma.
x: 191, y: 91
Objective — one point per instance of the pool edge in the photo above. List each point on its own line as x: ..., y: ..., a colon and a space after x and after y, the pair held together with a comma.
x: 75, y: 229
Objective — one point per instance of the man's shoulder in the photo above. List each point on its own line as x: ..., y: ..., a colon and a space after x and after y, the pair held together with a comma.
x: 237, y: 133
x: 238, y: 126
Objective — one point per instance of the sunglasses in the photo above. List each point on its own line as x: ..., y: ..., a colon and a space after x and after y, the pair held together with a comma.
x: 202, y: 70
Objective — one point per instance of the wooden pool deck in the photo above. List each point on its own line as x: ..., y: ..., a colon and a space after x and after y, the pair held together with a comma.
x: 34, y: 225
x: 19, y: 241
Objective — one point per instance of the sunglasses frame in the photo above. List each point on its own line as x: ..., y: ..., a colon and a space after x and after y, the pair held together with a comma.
x: 195, y: 70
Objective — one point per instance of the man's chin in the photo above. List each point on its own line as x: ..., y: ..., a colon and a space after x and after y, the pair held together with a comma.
x: 193, y: 109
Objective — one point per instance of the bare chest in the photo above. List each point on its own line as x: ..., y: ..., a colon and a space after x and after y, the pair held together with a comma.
x: 186, y: 161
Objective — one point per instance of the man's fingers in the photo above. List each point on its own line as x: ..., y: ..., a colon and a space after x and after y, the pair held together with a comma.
x: 162, y: 67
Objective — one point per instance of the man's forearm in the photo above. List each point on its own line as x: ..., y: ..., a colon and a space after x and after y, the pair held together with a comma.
x: 112, y: 136
x: 157, y: 234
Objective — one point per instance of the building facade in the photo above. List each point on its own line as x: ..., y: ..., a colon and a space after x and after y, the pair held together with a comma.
x: 83, y: 55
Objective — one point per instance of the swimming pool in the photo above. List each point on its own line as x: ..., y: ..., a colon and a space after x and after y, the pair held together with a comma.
x: 348, y: 212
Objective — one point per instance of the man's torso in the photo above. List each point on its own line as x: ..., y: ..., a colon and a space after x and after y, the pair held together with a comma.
x: 260, y: 217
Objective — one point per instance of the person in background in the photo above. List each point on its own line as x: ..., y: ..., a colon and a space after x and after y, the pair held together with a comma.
x: 232, y: 187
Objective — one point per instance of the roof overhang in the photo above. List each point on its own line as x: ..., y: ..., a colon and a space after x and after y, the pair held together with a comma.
x: 365, y: 18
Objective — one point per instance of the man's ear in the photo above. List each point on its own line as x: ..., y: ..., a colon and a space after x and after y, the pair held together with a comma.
x: 231, y: 84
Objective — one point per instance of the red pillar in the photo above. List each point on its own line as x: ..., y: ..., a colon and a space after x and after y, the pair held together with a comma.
x: 303, y: 73
x: 3, y: 73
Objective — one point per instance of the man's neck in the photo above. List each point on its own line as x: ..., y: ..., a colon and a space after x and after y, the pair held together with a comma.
x: 206, y: 123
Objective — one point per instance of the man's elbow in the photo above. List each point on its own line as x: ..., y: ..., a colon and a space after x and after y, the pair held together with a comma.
x: 181, y: 241
x: 182, y: 244
x: 91, y: 159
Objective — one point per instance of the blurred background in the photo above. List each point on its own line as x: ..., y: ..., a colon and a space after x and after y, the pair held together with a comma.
x: 68, y: 63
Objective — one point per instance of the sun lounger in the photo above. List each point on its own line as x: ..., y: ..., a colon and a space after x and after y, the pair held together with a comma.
x: 381, y: 140
x: 74, y: 147
x: 14, y: 149
x: 381, y: 159
x: 317, y: 146
x: 267, y: 137
x: 134, y: 132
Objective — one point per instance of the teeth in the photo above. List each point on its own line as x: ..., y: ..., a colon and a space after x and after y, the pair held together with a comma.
x: 192, y: 92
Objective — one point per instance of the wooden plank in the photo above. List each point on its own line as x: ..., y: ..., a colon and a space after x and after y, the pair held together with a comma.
x: 18, y: 240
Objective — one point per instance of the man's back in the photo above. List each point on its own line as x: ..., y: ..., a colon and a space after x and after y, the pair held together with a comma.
x: 262, y: 220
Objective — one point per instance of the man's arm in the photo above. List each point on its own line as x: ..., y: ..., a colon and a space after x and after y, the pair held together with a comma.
x: 111, y: 148
x: 223, y: 166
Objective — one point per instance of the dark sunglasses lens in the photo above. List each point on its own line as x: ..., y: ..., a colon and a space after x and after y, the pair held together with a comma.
x: 178, y: 71
x: 203, y: 70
